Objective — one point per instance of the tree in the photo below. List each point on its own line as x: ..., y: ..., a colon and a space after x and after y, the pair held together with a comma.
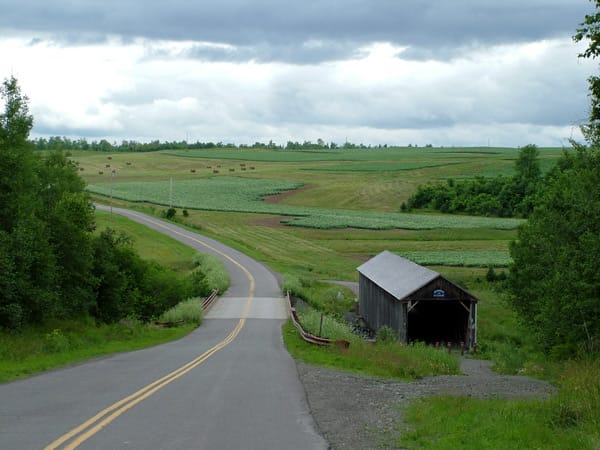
x: 29, y: 259
x: 18, y: 181
x: 555, y: 278
x: 589, y: 30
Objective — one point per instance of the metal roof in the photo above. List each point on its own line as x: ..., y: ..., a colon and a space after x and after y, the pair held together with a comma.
x: 396, y: 275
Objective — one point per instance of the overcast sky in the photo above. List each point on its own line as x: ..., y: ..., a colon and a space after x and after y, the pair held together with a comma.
x: 441, y: 72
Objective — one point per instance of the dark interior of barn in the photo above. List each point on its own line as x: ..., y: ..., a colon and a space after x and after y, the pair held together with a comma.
x: 442, y: 321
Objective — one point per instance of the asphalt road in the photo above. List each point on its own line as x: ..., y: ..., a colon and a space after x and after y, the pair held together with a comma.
x: 230, y: 384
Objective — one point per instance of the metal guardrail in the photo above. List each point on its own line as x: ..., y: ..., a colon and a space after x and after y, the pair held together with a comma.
x: 309, y: 337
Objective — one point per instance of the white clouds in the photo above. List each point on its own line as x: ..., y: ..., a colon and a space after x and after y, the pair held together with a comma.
x: 507, y: 94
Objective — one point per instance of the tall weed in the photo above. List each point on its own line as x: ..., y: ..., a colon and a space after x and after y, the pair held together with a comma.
x: 213, y: 269
x: 188, y: 311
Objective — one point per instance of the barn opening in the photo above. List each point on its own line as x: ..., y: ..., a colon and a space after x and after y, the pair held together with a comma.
x: 433, y: 321
x: 419, y: 304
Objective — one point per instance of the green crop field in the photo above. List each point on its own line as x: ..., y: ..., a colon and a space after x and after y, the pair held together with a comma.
x: 246, y: 195
x: 336, y: 208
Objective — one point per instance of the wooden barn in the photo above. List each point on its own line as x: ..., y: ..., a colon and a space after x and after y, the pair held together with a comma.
x: 416, y: 302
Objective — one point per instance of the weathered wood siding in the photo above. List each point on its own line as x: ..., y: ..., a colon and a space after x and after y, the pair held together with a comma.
x: 380, y: 308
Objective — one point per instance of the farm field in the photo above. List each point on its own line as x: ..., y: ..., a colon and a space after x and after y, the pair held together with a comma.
x: 317, y: 213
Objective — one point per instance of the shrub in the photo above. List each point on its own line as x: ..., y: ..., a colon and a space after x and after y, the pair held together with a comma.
x: 171, y: 212
x: 188, y: 311
x: 386, y: 334
x: 216, y: 276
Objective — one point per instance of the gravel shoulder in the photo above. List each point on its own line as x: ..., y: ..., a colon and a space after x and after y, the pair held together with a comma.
x: 352, y: 410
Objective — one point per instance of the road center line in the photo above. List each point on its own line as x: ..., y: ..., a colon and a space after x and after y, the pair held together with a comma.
x: 89, y: 428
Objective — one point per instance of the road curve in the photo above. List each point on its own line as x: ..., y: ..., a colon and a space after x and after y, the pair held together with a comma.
x: 230, y: 384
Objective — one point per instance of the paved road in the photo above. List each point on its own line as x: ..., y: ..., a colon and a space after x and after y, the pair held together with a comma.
x: 239, y: 389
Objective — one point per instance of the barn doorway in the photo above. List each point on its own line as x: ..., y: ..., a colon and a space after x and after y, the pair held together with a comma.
x: 443, y: 321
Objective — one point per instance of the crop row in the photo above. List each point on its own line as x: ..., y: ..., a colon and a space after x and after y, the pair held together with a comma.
x: 383, y: 154
x: 379, y: 166
x: 461, y: 259
x: 245, y: 195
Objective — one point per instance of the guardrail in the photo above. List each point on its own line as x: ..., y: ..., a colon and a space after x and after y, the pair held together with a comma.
x: 309, y: 337
x: 208, y: 301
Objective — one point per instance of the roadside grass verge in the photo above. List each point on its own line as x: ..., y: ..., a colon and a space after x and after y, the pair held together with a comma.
x: 326, y: 297
x: 571, y: 420
x: 62, y: 343
x: 213, y: 269
x: 388, y: 360
x: 148, y: 243
x: 186, y: 312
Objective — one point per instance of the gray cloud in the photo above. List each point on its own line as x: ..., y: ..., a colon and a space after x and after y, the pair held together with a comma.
x: 272, y: 30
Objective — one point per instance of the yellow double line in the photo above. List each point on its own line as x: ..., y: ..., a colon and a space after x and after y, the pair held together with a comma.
x: 89, y: 428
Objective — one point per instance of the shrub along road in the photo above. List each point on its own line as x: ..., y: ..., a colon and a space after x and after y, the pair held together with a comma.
x: 229, y: 384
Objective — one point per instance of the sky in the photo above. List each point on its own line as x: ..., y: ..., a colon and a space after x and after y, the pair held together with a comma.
x: 396, y: 72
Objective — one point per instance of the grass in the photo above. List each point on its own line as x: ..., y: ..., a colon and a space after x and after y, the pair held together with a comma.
x: 61, y: 343
x: 188, y: 312
x: 149, y: 244
x: 238, y: 194
x: 213, y: 268
x: 571, y: 420
x: 384, y: 360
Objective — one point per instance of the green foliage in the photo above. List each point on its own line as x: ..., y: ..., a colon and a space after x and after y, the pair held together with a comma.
x: 329, y: 326
x: 170, y: 213
x: 130, y: 286
x: 215, y: 275
x: 385, y: 335
x: 500, y: 196
x: 188, y: 311
x: 51, y: 266
x: 589, y: 31
x: 460, y: 258
x: 492, y: 276
x: 555, y: 276
x: 331, y: 299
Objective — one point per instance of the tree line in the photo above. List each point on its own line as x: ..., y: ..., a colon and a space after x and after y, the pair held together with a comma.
x: 103, y: 145
x: 502, y: 196
x: 52, y: 264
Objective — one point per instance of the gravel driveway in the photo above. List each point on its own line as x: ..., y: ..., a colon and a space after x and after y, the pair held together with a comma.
x: 352, y: 410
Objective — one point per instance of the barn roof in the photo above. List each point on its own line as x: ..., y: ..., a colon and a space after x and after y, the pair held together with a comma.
x: 395, y: 274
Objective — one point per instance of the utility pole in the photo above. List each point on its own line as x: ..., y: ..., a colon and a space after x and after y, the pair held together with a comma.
x: 112, y: 174
x: 171, y: 192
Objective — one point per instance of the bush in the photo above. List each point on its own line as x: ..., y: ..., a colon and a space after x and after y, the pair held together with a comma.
x: 188, y: 311
x: 129, y: 286
x: 216, y: 276
x: 171, y: 212
x: 386, y: 334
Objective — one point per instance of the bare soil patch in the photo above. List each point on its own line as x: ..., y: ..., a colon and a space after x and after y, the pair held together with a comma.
x: 278, y: 198
x: 270, y: 221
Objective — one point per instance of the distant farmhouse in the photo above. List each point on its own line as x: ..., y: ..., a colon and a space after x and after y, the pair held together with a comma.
x: 416, y: 302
